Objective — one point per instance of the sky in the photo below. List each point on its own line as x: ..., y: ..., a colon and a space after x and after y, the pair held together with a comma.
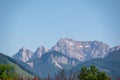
x: 33, y: 23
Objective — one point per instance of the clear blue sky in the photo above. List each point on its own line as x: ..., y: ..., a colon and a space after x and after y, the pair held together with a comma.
x: 32, y: 23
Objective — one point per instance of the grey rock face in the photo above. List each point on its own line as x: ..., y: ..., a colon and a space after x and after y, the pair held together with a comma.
x: 82, y: 50
x: 26, y: 55
x: 23, y: 54
x: 39, y: 52
x: 116, y: 48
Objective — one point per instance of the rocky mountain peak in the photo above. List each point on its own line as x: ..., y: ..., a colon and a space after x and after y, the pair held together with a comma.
x: 22, y: 49
x: 81, y: 50
x: 23, y: 54
x: 116, y: 48
x: 39, y: 52
x: 65, y: 41
x: 41, y: 49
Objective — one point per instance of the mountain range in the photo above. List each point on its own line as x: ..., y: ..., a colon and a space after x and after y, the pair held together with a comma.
x: 81, y: 50
x: 69, y: 54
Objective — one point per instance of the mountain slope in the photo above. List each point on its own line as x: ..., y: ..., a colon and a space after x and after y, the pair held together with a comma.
x: 21, y: 72
x: 109, y: 64
x: 51, y: 63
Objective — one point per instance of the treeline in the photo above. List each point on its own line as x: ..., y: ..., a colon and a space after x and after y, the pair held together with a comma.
x: 90, y: 73
x: 86, y: 73
x: 7, y: 72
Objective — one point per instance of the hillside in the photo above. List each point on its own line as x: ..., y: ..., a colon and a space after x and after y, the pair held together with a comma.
x: 19, y: 70
x: 109, y: 64
x: 51, y: 63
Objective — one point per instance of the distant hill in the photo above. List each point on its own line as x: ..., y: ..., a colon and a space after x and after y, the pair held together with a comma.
x: 19, y: 69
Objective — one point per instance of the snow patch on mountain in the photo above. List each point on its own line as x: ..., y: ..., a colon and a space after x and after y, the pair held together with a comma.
x: 31, y: 64
x: 57, y: 64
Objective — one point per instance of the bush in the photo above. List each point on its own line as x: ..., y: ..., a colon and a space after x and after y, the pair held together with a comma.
x: 7, y: 72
